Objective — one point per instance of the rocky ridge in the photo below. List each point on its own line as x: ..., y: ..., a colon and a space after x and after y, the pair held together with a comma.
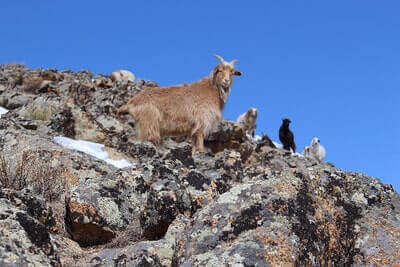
x: 244, y: 203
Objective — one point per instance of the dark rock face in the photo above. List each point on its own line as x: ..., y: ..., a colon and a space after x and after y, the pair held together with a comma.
x: 243, y: 203
x: 24, y: 240
x: 63, y: 123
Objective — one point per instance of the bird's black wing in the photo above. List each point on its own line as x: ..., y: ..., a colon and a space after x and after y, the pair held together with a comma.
x: 292, y: 143
x: 281, y: 135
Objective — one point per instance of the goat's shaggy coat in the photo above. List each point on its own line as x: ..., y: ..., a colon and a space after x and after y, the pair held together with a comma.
x: 286, y: 136
x: 317, y: 150
x: 248, y: 121
x: 182, y: 110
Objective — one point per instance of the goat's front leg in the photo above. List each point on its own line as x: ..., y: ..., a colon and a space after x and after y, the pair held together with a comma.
x: 197, y: 142
x: 200, y: 142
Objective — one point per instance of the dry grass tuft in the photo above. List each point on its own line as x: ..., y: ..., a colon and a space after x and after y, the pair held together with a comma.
x: 35, y: 172
x: 125, y: 238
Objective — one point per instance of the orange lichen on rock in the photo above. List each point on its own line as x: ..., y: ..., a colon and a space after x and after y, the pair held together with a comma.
x: 277, y: 248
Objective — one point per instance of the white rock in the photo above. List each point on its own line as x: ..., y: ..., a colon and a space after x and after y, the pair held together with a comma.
x: 122, y: 76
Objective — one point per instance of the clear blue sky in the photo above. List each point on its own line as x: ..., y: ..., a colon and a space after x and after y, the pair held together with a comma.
x: 333, y: 67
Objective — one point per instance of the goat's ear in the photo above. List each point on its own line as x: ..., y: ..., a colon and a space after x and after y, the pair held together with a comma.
x: 237, y: 73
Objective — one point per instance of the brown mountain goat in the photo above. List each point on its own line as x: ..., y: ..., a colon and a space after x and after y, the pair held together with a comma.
x: 183, y: 110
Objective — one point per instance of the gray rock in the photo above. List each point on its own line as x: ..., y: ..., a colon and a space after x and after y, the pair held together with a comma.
x: 144, y: 253
x: 23, y: 239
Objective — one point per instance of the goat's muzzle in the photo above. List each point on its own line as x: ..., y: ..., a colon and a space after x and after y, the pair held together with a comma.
x: 225, y: 88
x: 226, y: 84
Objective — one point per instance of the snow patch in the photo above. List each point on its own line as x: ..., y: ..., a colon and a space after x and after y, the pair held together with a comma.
x: 91, y: 148
x: 277, y: 144
x: 257, y: 138
x: 3, y: 111
x: 280, y: 146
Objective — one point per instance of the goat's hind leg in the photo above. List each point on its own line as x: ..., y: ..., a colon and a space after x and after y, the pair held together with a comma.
x: 149, y: 124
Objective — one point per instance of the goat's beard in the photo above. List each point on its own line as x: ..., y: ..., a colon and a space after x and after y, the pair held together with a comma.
x: 225, y: 89
x: 223, y: 92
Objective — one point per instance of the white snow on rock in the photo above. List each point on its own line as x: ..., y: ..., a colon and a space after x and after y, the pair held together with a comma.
x: 91, y: 148
x: 255, y: 138
x: 3, y: 111
x: 277, y: 145
x: 280, y: 146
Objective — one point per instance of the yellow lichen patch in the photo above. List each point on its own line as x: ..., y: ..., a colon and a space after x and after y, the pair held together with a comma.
x: 328, y: 219
x: 394, y: 231
x: 211, y: 191
x: 383, y: 257
x: 187, y: 213
x: 209, y: 195
x: 277, y: 249
x: 199, y: 199
x: 279, y: 208
x: 81, y: 208
x: 112, y: 153
x: 284, y: 188
x: 331, y: 230
x: 69, y: 177
x: 214, y: 222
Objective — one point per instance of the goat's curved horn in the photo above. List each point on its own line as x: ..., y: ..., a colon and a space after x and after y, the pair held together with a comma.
x: 233, y: 62
x: 219, y: 58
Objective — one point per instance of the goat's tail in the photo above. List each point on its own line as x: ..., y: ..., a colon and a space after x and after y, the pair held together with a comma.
x: 123, y: 110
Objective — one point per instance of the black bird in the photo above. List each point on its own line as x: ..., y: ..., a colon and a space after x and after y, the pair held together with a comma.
x: 286, y: 136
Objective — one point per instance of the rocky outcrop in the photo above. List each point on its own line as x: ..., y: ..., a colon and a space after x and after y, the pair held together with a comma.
x: 24, y: 226
x: 291, y: 218
x: 143, y: 253
x: 243, y: 203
